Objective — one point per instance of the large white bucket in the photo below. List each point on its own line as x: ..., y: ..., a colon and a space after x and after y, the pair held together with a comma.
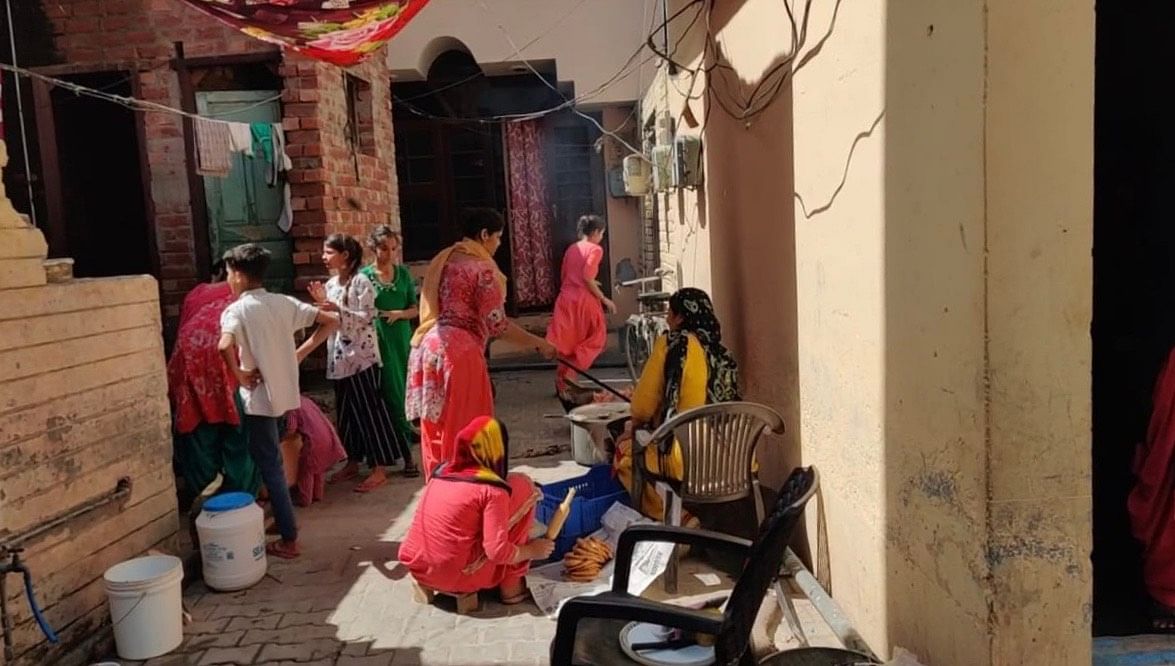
x: 589, y: 433
x: 231, y: 528
x: 146, y: 606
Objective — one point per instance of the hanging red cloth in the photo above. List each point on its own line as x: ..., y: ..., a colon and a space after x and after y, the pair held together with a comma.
x: 1152, y: 501
x: 341, y: 32
x: 532, y: 264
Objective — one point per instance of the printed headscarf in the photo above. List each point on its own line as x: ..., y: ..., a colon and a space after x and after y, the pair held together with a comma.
x: 698, y: 319
x: 482, y: 455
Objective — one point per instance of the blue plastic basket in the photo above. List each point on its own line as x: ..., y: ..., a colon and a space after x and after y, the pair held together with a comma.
x: 595, y: 493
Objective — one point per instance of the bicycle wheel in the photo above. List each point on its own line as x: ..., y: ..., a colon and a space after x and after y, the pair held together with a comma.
x: 636, y: 351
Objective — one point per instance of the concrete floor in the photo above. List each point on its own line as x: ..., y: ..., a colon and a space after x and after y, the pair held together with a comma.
x: 348, y: 602
x: 1145, y: 650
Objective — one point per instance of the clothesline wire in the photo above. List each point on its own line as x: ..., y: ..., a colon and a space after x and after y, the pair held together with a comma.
x: 531, y: 115
x: 127, y: 101
x: 506, y: 33
x: 141, y: 105
x: 624, y: 72
x: 567, y: 103
x: 532, y: 42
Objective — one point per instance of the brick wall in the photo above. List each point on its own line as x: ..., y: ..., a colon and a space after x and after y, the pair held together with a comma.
x: 337, y: 187
x: 139, y: 34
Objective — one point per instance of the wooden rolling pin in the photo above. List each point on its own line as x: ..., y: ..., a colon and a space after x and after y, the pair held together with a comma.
x: 560, y: 516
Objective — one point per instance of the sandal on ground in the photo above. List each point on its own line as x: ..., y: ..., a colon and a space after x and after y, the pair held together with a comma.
x: 343, y: 475
x: 286, y: 550
x: 411, y: 471
x: 516, y: 599
x: 371, y: 483
x: 1162, y: 618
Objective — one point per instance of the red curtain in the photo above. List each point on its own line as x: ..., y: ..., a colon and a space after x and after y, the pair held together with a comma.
x: 530, y: 216
x: 341, y: 32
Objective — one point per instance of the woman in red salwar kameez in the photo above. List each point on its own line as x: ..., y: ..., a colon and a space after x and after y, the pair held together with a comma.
x: 1152, y: 501
x: 471, y: 528
x: 578, y: 328
x: 462, y: 307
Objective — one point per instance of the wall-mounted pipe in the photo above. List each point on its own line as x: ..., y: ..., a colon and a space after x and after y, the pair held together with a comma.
x: 11, y: 548
x: 121, y: 490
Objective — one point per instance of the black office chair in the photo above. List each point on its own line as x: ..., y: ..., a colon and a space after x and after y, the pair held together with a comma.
x: 732, y: 629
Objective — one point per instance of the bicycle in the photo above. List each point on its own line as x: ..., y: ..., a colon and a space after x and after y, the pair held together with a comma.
x: 642, y: 329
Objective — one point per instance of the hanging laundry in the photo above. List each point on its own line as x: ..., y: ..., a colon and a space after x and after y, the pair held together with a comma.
x: 214, y: 148
x: 279, y: 164
x: 242, y: 138
x: 279, y: 148
x: 261, y: 137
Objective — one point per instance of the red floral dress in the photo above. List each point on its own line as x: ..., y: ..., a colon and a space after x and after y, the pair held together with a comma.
x: 448, y: 379
x: 200, y: 386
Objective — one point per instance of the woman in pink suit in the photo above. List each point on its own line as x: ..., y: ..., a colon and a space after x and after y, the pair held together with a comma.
x: 462, y: 308
x: 578, y: 328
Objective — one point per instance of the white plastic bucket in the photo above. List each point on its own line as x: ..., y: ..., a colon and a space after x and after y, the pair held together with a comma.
x: 589, y: 432
x: 231, y: 529
x: 146, y: 606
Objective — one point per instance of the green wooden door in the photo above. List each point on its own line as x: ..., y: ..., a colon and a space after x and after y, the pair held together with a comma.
x: 242, y: 208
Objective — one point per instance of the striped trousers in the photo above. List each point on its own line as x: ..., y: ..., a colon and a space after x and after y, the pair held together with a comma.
x: 365, y: 425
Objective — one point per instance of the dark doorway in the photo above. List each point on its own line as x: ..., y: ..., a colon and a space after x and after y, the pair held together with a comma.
x: 450, y: 153
x: 1134, y: 283
x: 576, y: 188
x: 90, y: 156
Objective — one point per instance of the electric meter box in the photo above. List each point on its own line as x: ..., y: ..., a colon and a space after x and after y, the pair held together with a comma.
x: 637, y: 173
x: 687, y: 165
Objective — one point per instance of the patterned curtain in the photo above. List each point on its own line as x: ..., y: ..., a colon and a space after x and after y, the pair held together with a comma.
x: 530, y: 216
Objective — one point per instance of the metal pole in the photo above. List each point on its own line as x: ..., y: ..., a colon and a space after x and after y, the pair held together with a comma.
x: 24, y: 135
x: 4, y: 619
x: 833, y: 616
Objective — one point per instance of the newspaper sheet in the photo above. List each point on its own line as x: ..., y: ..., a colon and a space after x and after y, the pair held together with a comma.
x: 649, y: 560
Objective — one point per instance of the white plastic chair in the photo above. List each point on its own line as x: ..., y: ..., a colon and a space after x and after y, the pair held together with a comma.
x: 718, y: 444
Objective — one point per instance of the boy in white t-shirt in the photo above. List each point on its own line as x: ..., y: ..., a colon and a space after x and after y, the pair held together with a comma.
x: 261, y: 326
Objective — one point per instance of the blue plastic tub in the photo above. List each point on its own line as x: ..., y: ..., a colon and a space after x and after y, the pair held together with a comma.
x: 595, y: 493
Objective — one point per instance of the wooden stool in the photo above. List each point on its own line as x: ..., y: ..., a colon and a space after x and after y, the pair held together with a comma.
x: 466, y: 603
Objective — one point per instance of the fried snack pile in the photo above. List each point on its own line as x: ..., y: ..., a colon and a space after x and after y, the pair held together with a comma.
x: 586, y: 559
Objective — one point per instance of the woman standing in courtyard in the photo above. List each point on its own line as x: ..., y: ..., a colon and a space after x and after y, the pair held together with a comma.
x: 462, y: 308
x: 578, y: 328
x: 395, y: 302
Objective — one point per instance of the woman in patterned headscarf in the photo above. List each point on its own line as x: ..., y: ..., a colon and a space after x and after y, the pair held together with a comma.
x: 471, y: 530
x: 688, y: 367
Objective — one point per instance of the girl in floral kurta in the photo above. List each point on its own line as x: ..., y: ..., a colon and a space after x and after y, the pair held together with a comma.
x: 461, y: 309
x: 353, y: 363
x: 395, y: 302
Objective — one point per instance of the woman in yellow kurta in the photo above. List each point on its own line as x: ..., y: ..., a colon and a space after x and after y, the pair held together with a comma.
x: 688, y: 367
